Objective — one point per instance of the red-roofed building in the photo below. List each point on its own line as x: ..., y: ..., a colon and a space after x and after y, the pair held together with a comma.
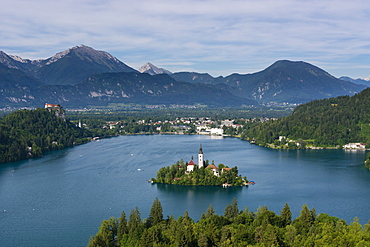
x: 190, y: 166
x: 213, y: 168
x: 47, y: 105
x: 226, y: 169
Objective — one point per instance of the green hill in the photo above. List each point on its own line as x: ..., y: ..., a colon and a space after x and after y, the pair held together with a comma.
x: 29, y: 133
x: 324, y: 123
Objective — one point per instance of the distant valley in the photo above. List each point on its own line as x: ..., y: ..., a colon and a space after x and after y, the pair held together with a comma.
x: 84, y: 77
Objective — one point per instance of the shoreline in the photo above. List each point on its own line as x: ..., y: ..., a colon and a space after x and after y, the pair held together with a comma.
x: 171, y: 133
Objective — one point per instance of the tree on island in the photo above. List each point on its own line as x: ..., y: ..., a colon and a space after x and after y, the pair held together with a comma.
x: 177, y: 174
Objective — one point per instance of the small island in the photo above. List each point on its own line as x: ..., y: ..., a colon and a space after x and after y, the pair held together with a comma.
x: 203, y: 174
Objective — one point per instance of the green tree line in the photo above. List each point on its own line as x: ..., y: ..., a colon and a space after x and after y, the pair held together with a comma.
x: 234, y: 228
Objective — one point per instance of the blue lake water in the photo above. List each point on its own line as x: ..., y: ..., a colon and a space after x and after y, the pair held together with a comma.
x: 60, y: 199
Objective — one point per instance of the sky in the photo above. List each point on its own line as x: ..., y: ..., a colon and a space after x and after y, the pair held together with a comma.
x: 219, y: 37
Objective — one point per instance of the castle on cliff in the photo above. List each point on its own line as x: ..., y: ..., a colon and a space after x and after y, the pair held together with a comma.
x: 57, y: 109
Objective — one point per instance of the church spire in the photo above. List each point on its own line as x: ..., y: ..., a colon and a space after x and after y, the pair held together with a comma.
x: 200, y: 149
x: 200, y: 157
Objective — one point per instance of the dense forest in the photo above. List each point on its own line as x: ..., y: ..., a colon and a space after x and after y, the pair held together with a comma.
x: 176, y: 174
x: 234, y: 228
x: 330, y: 122
x: 30, y: 133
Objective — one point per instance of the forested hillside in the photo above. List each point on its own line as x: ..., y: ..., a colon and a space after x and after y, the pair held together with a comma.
x: 234, y: 228
x: 328, y: 122
x: 25, y: 134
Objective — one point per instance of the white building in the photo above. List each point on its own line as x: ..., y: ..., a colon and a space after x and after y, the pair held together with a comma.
x: 190, y: 166
x: 356, y: 145
x: 212, y: 131
x: 227, y: 122
x: 200, y: 157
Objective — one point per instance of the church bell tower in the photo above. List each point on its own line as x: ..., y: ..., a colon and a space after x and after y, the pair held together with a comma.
x: 200, y: 157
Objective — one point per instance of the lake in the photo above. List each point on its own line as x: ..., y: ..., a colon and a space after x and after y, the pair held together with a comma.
x: 60, y: 199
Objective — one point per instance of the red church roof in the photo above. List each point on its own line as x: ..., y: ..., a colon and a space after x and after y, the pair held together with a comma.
x: 191, y: 163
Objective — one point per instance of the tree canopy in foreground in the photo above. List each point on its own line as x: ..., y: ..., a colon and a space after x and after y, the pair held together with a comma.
x: 234, y: 228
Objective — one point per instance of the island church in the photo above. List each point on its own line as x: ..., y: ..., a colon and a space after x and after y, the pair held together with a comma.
x: 191, y: 164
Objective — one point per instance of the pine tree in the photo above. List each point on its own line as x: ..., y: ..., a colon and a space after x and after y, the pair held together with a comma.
x: 210, y: 211
x: 304, y: 220
x: 286, y: 216
x: 203, y: 240
x: 105, y: 235
x: 134, y: 221
x: 156, y: 213
x: 122, y: 226
x: 228, y: 211
x: 232, y: 210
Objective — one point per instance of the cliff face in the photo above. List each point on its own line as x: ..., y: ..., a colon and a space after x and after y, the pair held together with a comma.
x: 58, y: 111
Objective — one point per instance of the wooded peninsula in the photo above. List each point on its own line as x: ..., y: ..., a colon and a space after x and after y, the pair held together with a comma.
x: 325, y: 123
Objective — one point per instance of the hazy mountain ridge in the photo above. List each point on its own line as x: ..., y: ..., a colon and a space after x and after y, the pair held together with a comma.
x: 194, y: 77
x: 105, y: 88
x: 288, y: 81
x: 365, y: 81
x: 82, y: 76
x: 16, y: 86
x: 157, y: 89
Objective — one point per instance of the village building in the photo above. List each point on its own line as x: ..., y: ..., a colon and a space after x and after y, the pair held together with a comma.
x: 190, y: 166
x: 227, y: 122
x: 355, y: 146
x: 226, y: 169
x: 211, y: 131
x: 214, y: 169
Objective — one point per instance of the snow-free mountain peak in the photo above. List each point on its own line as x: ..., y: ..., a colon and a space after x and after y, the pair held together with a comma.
x: 68, y: 67
x: 84, y: 51
x: 153, y: 70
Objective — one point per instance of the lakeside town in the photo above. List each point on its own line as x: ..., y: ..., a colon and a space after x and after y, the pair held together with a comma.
x: 220, y: 128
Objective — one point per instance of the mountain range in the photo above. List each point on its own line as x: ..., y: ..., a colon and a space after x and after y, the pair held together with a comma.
x: 82, y: 76
x: 69, y: 67
x: 365, y: 81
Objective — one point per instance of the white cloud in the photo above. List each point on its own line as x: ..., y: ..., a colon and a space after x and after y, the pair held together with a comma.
x: 247, y: 34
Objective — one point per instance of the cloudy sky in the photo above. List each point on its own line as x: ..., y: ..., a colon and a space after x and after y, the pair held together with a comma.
x: 219, y: 37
